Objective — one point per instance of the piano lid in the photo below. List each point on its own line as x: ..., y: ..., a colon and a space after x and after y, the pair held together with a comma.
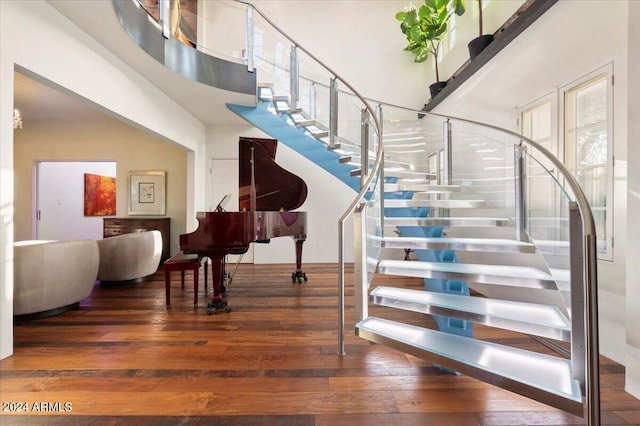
x: 276, y: 188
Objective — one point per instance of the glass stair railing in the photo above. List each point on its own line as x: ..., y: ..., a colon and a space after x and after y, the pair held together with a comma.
x: 502, y: 232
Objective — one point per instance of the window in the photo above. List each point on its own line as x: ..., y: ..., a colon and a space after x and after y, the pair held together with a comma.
x: 581, y: 114
x: 536, y: 124
x: 588, y: 148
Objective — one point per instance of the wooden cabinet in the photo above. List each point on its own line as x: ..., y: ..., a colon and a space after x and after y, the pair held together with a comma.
x: 126, y: 225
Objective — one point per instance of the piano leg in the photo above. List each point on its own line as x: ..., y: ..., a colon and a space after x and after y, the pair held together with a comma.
x: 298, y: 275
x: 217, y: 275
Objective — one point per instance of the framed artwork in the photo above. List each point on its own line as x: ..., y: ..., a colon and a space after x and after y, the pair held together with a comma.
x: 99, y: 195
x: 147, y: 193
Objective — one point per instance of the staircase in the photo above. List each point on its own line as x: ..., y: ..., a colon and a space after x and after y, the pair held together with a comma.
x: 478, y: 268
x: 498, y: 239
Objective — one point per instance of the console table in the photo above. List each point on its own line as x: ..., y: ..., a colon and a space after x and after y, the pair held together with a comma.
x: 125, y: 225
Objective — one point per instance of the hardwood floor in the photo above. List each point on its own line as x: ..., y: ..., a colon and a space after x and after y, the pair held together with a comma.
x: 123, y: 358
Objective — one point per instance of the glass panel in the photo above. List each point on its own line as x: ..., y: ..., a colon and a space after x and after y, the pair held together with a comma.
x: 373, y: 228
x: 547, y: 211
x: 484, y: 168
x: 592, y: 145
x: 541, y: 124
x: 591, y: 104
x: 224, y: 23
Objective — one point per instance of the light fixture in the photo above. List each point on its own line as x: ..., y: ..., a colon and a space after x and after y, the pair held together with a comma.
x: 17, y: 119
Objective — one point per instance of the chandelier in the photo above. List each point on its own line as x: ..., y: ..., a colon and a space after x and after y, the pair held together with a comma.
x: 17, y: 119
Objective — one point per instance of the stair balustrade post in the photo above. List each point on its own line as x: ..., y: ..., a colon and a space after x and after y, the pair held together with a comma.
x: 376, y: 136
x: 592, y: 333
x: 313, y: 107
x: 520, y: 199
x: 294, y: 77
x: 164, y: 11
x: 361, y: 282
x: 585, y: 345
x: 341, y: 291
x: 364, y: 145
x: 333, y: 112
x: 446, y: 148
x: 249, y: 42
x: 377, y: 139
x: 576, y: 262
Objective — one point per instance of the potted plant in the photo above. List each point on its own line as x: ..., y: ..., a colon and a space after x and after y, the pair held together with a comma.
x: 479, y: 43
x: 424, y: 29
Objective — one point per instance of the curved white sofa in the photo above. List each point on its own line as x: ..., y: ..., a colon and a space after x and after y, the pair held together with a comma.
x: 129, y: 257
x: 52, y: 277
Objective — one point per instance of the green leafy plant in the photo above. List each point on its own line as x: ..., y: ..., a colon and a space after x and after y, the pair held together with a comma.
x: 425, y: 27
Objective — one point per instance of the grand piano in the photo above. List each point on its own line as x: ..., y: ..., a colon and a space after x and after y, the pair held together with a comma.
x: 267, y: 195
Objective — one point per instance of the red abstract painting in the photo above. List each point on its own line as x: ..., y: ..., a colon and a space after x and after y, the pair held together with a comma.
x: 99, y: 195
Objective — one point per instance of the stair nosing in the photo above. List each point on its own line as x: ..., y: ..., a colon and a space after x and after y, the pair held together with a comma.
x: 462, y: 244
x: 446, y: 221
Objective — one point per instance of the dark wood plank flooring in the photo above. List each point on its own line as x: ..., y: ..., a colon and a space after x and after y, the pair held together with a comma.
x: 123, y: 358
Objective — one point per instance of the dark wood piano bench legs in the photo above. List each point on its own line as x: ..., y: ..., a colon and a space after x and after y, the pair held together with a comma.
x: 183, y: 262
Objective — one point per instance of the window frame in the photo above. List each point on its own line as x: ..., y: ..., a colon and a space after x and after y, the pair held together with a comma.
x: 607, y: 72
x: 559, y: 145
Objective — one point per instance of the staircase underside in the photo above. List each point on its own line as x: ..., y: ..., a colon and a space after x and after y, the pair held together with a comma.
x: 295, y: 138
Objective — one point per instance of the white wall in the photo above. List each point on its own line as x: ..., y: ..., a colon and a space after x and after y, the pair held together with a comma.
x: 39, y: 39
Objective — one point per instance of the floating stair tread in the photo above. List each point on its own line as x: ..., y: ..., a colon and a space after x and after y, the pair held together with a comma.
x: 446, y: 221
x: 452, y: 204
x: 280, y: 105
x: 542, y: 377
x: 420, y: 187
x: 552, y: 243
x: 466, y: 244
x: 516, y: 276
x: 540, y: 320
x: 406, y: 174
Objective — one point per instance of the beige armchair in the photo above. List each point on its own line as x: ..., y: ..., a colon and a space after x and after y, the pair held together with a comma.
x: 51, y: 277
x: 129, y: 257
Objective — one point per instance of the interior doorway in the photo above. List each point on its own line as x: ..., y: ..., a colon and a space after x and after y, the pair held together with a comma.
x: 59, y: 200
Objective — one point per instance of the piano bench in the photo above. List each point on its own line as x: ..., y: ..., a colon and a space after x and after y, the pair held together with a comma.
x: 184, y: 262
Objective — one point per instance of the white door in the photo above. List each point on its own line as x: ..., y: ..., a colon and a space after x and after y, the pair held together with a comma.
x: 224, y: 180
